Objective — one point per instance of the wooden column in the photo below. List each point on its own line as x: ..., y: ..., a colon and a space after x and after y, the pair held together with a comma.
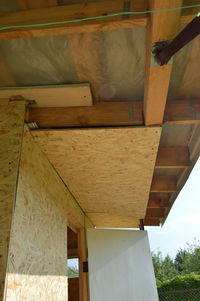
x: 83, y: 257
x: 11, y: 133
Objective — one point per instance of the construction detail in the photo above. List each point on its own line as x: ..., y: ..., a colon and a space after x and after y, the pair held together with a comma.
x: 99, y: 132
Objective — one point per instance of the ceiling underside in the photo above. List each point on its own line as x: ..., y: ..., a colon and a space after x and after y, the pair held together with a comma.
x: 108, y: 170
x: 113, y: 62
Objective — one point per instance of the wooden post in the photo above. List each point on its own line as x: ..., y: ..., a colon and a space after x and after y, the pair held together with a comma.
x: 83, y: 276
x: 11, y: 135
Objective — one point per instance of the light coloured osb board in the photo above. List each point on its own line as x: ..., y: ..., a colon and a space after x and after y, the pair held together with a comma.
x: 37, y: 268
x: 52, y: 96
x: 11, y: 132
x: 108, y: 170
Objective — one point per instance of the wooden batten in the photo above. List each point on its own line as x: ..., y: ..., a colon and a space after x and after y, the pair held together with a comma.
x: 162, y: 26
x: 11, y: 133
x: 83, y: 257
x: 155, y: 213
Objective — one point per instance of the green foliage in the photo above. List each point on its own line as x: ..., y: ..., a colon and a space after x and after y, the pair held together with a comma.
x: 181, y: 273
x: 73, y: 272
x: 180, y: 283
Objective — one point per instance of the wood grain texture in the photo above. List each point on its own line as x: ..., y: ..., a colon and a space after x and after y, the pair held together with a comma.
x: 69, y: 12
x: 173, y: 157
x: 38, y: 246
x: 164, y: 184
x: 102, y: 113
x: 157, y: 77
x: 29, y: 4
x: 52, y: 96
x: 11, y: 133
x: 104, y: 168
x: 83, y: 257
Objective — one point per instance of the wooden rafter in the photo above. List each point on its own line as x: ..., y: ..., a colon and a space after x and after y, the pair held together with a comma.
x: 113, y: 114
x: 164, y: 184
x: 173, y: 157
x: 29, y: 4
x: 77, y: 11
x: 159, y: 200
x: 162, y: 26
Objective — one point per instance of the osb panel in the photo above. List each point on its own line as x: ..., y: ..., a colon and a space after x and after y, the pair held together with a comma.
x: 38, y: 246
x: 11, y: 132
x: 102, y: 220
x: 108, y: 170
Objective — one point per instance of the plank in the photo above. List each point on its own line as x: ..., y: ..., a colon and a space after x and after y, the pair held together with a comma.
x: 104, y: 168
x: 152, y: 222
x: 69, y: 12
x: 102, y: 113
x: 113, y: 113
x: 52, y: 96
x: 11, y: 133
x: 159, y: 200
x: 157, y: 77
x: 173, y: 157
x: 164, y: 184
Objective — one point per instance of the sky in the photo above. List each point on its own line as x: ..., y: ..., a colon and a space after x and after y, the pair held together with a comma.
x: 182, y: 225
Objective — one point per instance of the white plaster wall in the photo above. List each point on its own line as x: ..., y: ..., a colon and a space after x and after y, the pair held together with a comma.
x: 120, y: 266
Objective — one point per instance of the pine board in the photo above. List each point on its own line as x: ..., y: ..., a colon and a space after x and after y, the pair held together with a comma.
x: 108, y: 170
x: 52, y: 96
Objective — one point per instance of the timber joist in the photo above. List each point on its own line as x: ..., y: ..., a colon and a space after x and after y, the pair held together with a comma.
x: 113, y: 114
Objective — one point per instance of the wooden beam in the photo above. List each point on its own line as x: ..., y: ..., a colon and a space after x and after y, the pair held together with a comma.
x: 69, y: 12
x: 102, y: 113
x: 182, y: 112
x: 72, y: 253
x: 30, y: 4
x: 83, y: 257
x: 152, y: 222
x: 159, y: 200
x: 162, y: 26
x: 49, y: 14
x: 173, y: 157
x: 112, y: 114
x: 164, y: 184
x: 155, y: 213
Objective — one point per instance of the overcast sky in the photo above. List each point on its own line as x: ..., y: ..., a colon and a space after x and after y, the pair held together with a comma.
x: 183, y: 222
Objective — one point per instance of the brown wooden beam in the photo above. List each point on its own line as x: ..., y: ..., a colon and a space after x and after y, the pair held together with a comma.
x: 72, y: 253
x: 102, y: 113
x: 159, y: 200
x: 155, y: 213
x: 30, y: 4
x: 173, y: 157
x: 164, y: 184
x: 112, y: 114
x: 40, y: 15
x: 182, y: 112
x: 162, y: 26
x: 69, y: 12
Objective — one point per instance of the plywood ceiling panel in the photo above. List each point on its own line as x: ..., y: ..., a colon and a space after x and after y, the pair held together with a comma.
x: 52, y: 96
x: 108, y: 170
